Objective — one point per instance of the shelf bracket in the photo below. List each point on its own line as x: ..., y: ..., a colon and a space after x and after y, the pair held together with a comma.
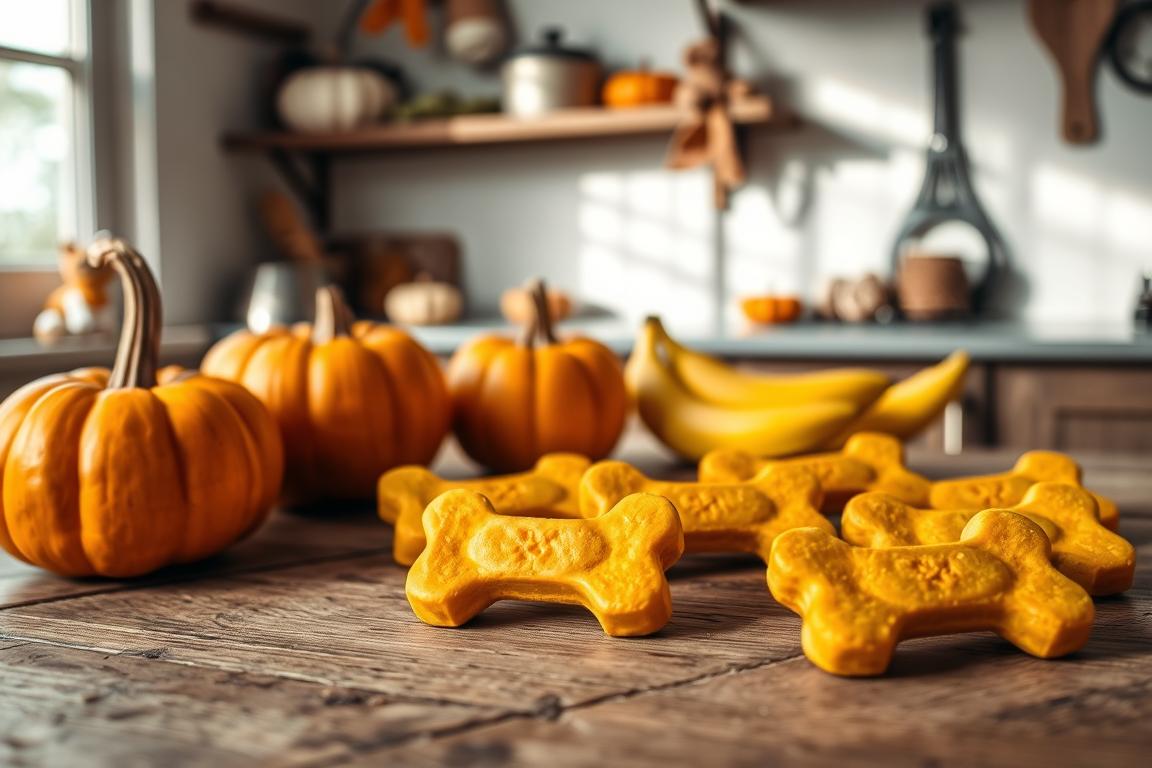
x: 311, y: 186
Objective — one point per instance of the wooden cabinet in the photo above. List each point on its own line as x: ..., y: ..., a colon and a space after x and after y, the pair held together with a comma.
x: 1074, y: 408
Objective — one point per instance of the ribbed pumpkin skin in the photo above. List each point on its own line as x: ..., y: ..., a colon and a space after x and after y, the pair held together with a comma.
x: 514, y: 403
x: 637, y: 88
x: 349, y: 409
x: 121, y: 482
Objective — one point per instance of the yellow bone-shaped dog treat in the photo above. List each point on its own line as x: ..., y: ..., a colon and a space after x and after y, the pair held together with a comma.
x: 858, y: 603
x: 870, y: 461
x: 548, y: 490
x: 717, y: 517
x: 1008, y: 488
x: 1082, y: 549
x: 612, y: 565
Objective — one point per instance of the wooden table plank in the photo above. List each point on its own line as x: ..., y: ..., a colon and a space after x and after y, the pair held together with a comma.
x: 70, y: 707
x: 961, y: 700
x: 313, y: 603
x: 349, y: 623
x: 287, y: 539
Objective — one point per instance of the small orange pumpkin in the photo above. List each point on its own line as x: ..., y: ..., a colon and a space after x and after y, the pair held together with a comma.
x: 638, y: 88
x: 515, y: 401
x: 112, y: 474
x: 769, y: 310
x: 353, y: 399
x: 519, y: 306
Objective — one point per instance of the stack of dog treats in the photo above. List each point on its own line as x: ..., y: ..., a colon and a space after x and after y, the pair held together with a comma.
x: 1021, y: 553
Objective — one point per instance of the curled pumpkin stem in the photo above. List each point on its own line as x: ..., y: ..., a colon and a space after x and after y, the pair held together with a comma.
x: 333, y: 318
x: 139, y: 347
x: 541, y: 325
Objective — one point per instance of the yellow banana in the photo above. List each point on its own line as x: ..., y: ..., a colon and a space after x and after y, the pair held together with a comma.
x: 710, y: 379
x: 691, y: 426
x: 910, y: 405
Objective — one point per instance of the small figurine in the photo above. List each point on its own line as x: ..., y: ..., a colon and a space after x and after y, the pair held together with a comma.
x: 80, y: 305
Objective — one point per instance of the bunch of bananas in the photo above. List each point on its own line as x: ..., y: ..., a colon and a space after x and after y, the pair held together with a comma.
x: 695, y: 403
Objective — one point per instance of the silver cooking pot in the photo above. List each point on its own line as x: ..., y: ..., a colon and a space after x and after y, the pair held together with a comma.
x: 550, y: 76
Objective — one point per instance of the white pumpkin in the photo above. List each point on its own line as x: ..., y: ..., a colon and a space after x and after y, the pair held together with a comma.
x: 334, y: 98
x: 424, y: 302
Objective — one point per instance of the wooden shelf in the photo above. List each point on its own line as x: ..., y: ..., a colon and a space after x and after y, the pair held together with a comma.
x: 499, y: 129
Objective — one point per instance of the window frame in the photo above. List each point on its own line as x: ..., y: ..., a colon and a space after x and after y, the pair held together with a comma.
x: 77, y: 64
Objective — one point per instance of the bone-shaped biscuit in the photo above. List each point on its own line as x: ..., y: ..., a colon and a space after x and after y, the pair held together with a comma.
x: 613, y: 565
x: 1082, y: 549
x: 1008, y: 488
x: 548, y: 490
x: 717, y: 517
x: 869, y: 461
x: 858, y: 603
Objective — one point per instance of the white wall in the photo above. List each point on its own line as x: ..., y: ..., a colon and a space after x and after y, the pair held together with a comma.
x: 206, y: 81
x: 604, y: 220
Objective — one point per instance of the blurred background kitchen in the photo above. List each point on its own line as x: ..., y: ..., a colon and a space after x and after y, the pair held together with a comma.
x: 789, y: 184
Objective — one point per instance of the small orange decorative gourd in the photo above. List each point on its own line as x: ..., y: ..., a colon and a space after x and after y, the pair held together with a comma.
x: 519, y: 306
x: 515, y: 401
x: 112, y: 474
x: 639, y: 88
x: 353, y: 399
x: 769, y: 310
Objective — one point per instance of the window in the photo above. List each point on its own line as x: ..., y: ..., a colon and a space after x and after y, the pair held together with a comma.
x: 45, y: 136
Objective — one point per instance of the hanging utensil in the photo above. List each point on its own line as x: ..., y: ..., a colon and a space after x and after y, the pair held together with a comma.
x: 1130, y: 45
x: 947, y: 194
x: 1073, y: 30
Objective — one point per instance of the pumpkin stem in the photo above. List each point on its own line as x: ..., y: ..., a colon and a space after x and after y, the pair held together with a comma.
x: 139, y: 345
x: 542, y: 313
x: 333, y: 318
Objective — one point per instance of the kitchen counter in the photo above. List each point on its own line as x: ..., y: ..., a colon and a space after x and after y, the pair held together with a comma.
x: 986, y: 341
x: 298, y: 647
x: 26, y: 354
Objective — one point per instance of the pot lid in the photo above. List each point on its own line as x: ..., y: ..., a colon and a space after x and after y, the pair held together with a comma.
x: 552, y: 45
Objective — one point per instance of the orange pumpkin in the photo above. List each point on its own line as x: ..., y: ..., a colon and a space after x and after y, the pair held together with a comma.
x: 515, y: 401
x: 112, y: 474
x: 353, y: 399
x: 639, y: 88
x: 769, y: 310
x: 519, y: 306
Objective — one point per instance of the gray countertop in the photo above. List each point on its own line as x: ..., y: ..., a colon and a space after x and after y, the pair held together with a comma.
x: 986, y: 342
x: 990, y: 341
x: 181, y: 343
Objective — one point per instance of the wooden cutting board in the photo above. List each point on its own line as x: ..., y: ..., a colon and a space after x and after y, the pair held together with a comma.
x: 1073, y: 31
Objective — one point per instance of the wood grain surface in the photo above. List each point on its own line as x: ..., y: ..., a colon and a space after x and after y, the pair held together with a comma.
x: 298, y: 648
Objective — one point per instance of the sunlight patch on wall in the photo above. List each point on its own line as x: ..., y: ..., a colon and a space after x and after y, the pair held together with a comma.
x: 844, y: 104
x: 1128, y: 223
x: 1090, y: 244
x: 1066, y: 202
x: 646, y: 245
x: 763, y: 252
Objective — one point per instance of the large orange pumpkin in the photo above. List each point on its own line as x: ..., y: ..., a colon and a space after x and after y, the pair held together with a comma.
x: 108, y: 473
x: 353, y: 399
x: 514, y: 401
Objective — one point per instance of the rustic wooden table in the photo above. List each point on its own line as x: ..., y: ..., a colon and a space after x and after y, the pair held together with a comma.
x: 298, y: 647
